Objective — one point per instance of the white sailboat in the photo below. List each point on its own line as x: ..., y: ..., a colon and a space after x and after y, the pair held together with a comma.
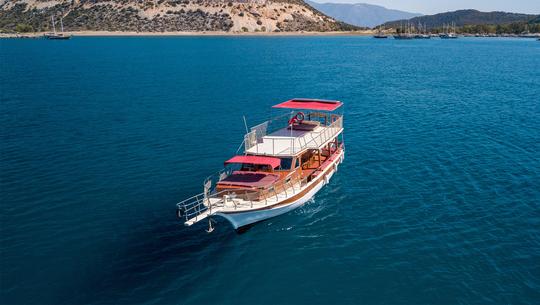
x: 54, y: 35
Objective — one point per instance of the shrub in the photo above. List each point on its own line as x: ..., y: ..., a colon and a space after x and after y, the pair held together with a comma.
x: 24, y: 28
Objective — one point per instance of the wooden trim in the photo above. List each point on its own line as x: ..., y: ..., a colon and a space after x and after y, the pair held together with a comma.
x: 293, y: 198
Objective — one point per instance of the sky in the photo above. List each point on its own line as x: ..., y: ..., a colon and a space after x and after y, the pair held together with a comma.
x: 440, y: 6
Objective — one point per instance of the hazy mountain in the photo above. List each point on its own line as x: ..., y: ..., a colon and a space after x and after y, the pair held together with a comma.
x: 361, y: 14
x: 465, y: 17
x: 167, y: 15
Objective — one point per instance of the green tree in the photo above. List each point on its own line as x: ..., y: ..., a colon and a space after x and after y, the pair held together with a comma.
x: 24, y: 28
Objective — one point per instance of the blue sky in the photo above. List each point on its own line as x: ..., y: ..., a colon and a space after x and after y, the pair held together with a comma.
x: 439, y: 6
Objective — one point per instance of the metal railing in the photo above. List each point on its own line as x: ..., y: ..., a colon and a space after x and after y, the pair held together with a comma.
x: 257, y: 132
x: 195, y: 206
x: 296, y: 144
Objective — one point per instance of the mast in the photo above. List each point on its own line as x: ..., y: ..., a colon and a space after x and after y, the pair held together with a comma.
x: 53, y: 25
x: 62, y: 24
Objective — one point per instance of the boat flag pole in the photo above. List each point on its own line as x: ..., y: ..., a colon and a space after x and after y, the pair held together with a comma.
x: 245, y: 123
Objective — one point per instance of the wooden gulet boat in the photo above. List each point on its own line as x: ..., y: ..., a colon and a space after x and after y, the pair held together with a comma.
x: 286, y: 161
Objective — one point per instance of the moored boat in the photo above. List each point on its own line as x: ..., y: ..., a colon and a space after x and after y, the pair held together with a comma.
x: 380, y: 33
x: 403, y: 36
x: 286, y: 161
x: 54, y: 35
x: 449, y: 32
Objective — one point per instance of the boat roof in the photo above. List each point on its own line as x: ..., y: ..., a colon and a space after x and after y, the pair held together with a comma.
x: 257, y: 160
x: 310, y: 104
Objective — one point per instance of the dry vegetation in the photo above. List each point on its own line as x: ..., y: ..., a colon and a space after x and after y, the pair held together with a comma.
x: 165, y: 16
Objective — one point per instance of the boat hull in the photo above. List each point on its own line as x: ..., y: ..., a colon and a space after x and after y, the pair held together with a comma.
x: 242, y: 219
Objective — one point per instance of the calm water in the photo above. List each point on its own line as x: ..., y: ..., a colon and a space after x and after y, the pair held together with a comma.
x: 438, y: 201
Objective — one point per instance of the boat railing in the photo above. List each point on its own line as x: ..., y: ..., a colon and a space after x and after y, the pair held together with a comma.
x: 257, y: 132
x: 200, y: 206
x: 314, y: 140
x: 297, y: 144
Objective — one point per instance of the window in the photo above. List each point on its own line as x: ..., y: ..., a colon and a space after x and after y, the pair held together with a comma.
x: 286, y: 163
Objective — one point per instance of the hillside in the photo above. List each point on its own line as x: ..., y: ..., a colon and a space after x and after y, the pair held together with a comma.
x: 166, y: 15
x: 465, y: 18
x: 361, y: 14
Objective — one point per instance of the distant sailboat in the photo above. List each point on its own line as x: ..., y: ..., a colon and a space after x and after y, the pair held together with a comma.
x: 54, y: 34
x: 449, y: 33
x: 422, y: 32
x: 404, y: 34
x: 380, y: 33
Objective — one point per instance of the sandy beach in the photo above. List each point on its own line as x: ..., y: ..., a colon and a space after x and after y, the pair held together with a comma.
x: 201, y: 33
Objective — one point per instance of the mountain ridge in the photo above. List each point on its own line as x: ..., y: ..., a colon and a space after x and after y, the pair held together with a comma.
x: 361, y: 14
x: 464, y: 17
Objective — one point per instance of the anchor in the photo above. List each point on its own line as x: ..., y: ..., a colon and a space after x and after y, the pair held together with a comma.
x: 210, y: 227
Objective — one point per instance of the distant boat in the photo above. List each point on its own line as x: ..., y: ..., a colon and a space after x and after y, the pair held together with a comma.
x: 422, y: 36
x: 380, y: 34
x: 404, y: 34
x: 54, y: 35
x: 422, y: 32
x: 448, y: 36
x: 449, y: 32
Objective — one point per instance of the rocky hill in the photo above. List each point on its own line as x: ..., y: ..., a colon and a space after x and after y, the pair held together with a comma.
x: 463, y: 18
x: 166, y: 16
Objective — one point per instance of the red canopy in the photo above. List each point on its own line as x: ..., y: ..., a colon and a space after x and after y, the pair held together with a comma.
x: 310, y: 104
x: 271, y: 161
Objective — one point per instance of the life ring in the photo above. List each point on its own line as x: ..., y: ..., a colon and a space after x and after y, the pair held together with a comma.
x: 298, y: 118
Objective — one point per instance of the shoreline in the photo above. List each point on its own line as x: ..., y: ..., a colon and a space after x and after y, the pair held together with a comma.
x: 182, y: 34
x: 226, y: 34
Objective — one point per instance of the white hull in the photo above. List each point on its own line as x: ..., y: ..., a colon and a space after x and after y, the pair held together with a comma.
x: 241, y: 219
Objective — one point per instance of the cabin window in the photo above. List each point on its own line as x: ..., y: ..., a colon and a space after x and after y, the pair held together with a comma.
x: 297, y: 163
x: 286, y: 163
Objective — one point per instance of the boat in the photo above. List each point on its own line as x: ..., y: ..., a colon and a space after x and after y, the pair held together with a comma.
x: 404, y: 34
x: 285, y: 162
x: 448, y: 36
x: 54, y: 35
x: 380, y: 34
x: 422, y: 32
x: 449, y: 32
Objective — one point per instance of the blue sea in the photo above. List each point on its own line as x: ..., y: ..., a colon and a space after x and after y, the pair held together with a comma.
x: 437, y: 201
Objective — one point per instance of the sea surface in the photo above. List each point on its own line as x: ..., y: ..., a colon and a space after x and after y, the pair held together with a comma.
x: 437, y: 201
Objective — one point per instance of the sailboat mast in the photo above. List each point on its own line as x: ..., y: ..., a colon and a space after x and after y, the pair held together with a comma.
x: 53, y: 25
x: 62, y: 24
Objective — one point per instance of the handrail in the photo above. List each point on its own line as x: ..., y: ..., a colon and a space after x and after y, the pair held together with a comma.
x: 324, y: 136
x: 195, y: 205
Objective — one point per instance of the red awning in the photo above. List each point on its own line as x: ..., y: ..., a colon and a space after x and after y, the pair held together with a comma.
x: 273, y: 162
x: 310, y: 104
